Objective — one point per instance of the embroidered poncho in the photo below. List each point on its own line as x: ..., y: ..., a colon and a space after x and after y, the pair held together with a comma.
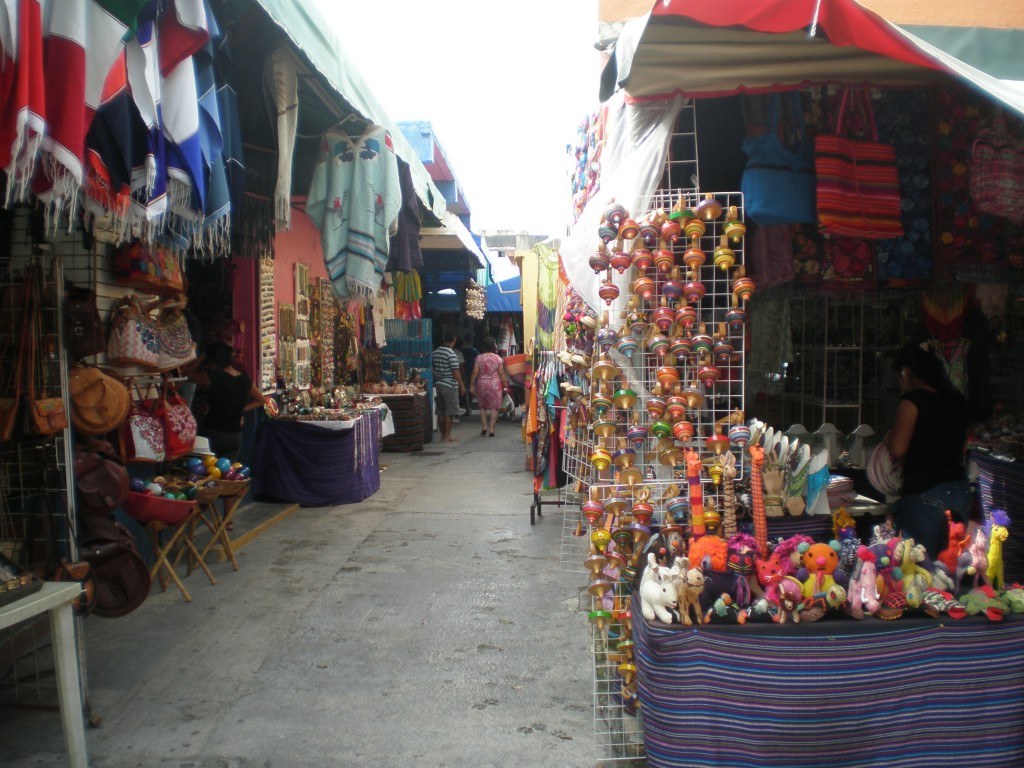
x: 354, y: 199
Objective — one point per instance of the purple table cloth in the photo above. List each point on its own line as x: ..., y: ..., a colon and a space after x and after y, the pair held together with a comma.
x: 315, y: 466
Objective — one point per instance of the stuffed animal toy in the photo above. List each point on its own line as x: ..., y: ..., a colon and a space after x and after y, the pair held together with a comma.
x: 984, y: 600
x: 725, y: 611
x: 761, y: 611
x: 821, y: 604
x: 944, y: 602
x: 766, y: 568
x: 863, y: 587
x: 843, y: 524
x: 897, y: 604
x: 689, y: 586
x: 819, y: 567
x: 658, y: 591
x: 997, y: 534
x: 1014, y: 598
x: 958, y: 541
x: 978, y: 550
x: 914, y: 578
x: 791, y: 559
x: 742, y: 551
x: 785, y: 594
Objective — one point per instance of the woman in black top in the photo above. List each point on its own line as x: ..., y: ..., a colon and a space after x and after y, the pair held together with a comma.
x: 929, y: 435
x: 230, y: 393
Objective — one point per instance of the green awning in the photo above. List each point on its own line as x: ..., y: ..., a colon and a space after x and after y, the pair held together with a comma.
x: 310, y: 33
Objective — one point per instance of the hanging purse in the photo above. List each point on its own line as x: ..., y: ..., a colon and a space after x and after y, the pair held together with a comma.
x: 997, y: 171
x: 133, y: 336
x: 858, y: 193
x: 99, y: 402
x: 101, y: 480
x: 83, y: 330
x: 175, y: 340
x: 47, y: 415
x: 142, y: 436
x: 778, y: 182
x: 178, y: 422
x: 150, y: 269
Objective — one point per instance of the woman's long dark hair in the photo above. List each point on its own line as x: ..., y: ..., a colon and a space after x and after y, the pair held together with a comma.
x: 925, y: 365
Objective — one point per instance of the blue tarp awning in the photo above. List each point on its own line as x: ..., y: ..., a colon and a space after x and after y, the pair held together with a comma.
x: 505, y: 296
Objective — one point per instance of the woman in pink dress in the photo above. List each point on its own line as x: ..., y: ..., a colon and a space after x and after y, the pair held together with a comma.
x: 487, y: 383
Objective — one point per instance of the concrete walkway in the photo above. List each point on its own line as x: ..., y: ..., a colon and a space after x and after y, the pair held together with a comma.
x: 430, y: 625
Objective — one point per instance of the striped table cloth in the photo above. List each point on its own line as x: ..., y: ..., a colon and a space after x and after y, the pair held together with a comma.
x: 837, y: 693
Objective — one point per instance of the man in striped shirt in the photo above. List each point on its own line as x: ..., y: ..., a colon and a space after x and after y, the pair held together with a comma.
x: 448, y: 385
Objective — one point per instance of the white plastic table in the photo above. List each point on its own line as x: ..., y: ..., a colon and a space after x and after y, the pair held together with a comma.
x: 55, y: 598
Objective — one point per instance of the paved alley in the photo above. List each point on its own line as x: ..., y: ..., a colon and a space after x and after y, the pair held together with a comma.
x: 428, y: 626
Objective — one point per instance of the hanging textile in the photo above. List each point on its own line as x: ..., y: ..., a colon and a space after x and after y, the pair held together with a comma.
x: 547, y: 295
x: 942, y: 309
x: 404, y: 253
x: 217, y: 211
x: 282, y: 80
x: 23, y: 112
x: 353, y: 200
x: 408, y: 292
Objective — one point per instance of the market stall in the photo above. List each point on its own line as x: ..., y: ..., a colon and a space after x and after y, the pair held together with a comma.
x: 706, y: 533
x: 318, y: 463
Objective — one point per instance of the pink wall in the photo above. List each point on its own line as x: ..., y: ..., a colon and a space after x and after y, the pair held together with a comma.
x: 300, y: 245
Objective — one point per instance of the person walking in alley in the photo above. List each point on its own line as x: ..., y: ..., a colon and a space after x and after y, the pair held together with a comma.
x: 488, y: 383
x: 448, y: 385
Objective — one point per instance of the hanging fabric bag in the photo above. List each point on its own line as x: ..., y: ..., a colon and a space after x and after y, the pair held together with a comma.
x: 133, y: 336
x: 142, y: 435
x: 997, y: 171
x: 178, y: 422
x: 858, y: 191
x: 778, y: 182
x: 176, y: 346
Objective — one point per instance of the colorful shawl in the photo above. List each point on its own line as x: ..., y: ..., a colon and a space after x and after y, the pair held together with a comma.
x: 23, y: 111
x: 282, y: 80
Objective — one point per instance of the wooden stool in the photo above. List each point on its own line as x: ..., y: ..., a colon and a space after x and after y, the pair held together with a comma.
x: 163, y: 569
x: 217, y: 519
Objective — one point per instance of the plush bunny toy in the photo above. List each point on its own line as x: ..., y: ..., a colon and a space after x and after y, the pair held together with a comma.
x: 658, y: 591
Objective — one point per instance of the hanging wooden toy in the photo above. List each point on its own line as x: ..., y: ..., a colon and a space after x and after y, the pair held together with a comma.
x: 693, y: 470
x: 757, y: 497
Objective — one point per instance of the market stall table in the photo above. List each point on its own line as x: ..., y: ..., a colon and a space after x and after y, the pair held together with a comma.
x: 412, y: 427
x: 846, y: 693
x: 317, y: 463
x: 55, y: 598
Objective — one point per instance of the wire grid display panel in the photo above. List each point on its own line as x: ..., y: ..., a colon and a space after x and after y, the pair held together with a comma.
x: 618, y: 728
x: 712, y: 372
x: 577, y: 466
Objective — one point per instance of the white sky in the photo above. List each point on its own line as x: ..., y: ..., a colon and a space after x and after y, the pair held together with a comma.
x: 504, y: 85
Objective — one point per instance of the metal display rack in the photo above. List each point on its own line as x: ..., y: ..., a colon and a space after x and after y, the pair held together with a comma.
x: 660, y: 423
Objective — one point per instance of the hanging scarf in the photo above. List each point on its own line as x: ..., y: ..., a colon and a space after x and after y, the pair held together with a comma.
x: 217, y: 211
x: 23, y: 112
x: 281, y: 77
x: 149, y: 180
x: 184, y: 30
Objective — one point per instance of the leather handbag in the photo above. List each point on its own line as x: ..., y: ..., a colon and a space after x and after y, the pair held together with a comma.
x: 858, y: 190
x: 178, y: 422
x: 47, y: 415
x: 99, y: 402
x: 997, y: 171
x: 133, y: 336
x: 122, y: 576
x: 778, y: 182
x: 83, y: 330
x: 101, y: 480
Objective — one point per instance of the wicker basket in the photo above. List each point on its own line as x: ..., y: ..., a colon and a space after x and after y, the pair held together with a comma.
x: 208, y: 492
x: 231, y: 487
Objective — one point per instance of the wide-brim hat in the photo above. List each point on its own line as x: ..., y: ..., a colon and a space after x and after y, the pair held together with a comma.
x: 884, y: 472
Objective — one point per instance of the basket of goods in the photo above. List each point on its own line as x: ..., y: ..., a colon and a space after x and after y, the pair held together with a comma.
x: 216, y: 477
x: 159, y: 499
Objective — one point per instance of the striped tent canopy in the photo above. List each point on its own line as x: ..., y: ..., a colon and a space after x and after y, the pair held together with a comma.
x: 704, y: 49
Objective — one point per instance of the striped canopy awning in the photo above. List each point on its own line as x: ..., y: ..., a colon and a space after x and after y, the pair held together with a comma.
x: 703, y: 50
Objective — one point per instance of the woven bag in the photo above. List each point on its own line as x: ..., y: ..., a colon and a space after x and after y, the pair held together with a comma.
x: 997, y: 172
x: 858, y: 192
x: 133, y: 336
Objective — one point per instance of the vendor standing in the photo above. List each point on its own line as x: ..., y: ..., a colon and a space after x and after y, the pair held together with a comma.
x: 230, y: 394
x: 448, y: 385
x: 929, y: 436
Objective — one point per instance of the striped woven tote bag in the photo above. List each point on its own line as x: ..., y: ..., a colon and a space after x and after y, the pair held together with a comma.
x: 858, y: 190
